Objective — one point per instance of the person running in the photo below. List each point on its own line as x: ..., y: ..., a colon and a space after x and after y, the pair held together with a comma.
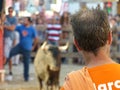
x: 93, y: 37
x: 28, y: 36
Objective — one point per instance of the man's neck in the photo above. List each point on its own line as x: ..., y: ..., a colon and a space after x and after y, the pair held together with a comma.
x: 101, y: 58
x: 10, y: 15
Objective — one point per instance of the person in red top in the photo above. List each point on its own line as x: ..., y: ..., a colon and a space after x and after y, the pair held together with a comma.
x: 93, y: 38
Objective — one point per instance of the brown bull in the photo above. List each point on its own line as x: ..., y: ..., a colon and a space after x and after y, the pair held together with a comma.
x: 47, y: 65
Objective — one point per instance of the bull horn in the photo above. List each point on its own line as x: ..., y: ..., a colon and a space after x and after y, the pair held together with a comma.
x: 43, y: 45
x: 64, y: 48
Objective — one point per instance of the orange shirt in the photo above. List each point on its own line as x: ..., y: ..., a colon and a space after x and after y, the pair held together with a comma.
x: 104, y: 77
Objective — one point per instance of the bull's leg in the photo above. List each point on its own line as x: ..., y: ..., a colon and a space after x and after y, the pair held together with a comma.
x: 51, y: 87
x: 40, y: 83
x: 47, y: 87
x: 56, y: 85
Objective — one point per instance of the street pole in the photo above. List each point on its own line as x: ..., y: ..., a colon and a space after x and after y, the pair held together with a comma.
x: 2, y: 6
x: 2, y: 71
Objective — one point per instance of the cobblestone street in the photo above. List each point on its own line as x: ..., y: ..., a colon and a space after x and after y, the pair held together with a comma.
x: 19, y: 84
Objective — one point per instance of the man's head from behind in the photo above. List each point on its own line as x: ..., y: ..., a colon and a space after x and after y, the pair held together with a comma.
x: 91, y: 29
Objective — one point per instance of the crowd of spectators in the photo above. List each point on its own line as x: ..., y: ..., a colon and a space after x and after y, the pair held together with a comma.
x: 53, y: 30
x: 115, y: 28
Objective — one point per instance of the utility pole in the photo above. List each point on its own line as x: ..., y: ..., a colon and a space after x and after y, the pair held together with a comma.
x: 2, y: 6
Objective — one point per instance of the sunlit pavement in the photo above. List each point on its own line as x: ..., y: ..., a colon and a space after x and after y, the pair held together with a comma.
x: 18, y: 83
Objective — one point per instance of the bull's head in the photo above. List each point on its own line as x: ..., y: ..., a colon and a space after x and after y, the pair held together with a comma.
x: 45, y: 46
x: 52, y: 53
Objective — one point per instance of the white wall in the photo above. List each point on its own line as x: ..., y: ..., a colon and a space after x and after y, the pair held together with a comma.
x: 75, y: 6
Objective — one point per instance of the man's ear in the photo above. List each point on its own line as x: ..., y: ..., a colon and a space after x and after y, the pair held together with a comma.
x: 110, y: 38
x: 77, y: 45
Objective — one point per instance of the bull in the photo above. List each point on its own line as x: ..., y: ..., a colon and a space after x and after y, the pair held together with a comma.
x: 47, y: 65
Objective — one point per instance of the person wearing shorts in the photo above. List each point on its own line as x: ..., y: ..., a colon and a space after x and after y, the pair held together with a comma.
x: 9, y: 27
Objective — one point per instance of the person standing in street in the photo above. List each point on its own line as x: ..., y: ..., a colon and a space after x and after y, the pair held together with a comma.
x: 28, y: 41
x: 17, y: 7
x: 9, y: 27
x: 54, y: 31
